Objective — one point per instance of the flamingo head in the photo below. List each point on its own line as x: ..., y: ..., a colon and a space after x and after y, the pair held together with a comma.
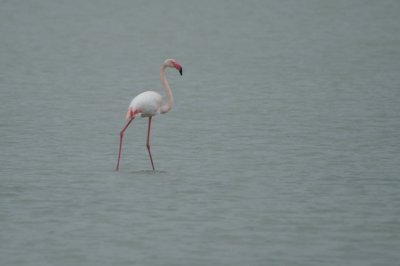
x: 173, y: 64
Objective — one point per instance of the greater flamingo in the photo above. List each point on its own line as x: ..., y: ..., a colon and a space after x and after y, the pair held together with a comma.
x: 149, y: 104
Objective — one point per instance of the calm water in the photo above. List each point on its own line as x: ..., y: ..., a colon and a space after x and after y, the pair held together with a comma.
x: 282, y: 148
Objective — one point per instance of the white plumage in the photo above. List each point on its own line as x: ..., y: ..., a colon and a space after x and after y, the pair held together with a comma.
x: 147, y: 104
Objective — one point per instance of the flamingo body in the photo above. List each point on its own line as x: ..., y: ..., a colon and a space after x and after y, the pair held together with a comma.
x: 149, y: 104
x: 146, y: 104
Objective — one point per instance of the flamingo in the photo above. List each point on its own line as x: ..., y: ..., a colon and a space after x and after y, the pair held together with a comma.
x: 149, y: 104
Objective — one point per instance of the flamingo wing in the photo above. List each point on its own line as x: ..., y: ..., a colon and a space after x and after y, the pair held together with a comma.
x: 146, y: 104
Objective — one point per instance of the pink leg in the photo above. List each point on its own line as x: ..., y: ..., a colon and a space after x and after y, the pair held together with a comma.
x: 148, y: 143
x: 121, y: 135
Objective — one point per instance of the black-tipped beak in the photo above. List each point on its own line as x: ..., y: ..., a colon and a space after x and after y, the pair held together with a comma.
x: 178, y: 67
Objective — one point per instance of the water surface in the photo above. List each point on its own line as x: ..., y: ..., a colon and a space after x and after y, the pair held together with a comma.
x: 282, y: 148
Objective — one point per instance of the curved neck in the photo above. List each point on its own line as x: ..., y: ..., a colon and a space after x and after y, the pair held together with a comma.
x: 170, y: 100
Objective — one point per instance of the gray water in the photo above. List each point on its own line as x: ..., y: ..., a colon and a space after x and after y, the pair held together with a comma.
x: 282, y: 148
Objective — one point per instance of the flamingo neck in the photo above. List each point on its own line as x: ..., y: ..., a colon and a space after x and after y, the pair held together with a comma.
x: 170, y: 99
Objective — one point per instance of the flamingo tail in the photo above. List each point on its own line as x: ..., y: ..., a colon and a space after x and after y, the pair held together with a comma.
x: 131, y: 113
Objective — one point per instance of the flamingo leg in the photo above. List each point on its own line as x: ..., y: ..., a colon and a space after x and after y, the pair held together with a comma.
x: 121, y: 136
x: 148, y: 143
